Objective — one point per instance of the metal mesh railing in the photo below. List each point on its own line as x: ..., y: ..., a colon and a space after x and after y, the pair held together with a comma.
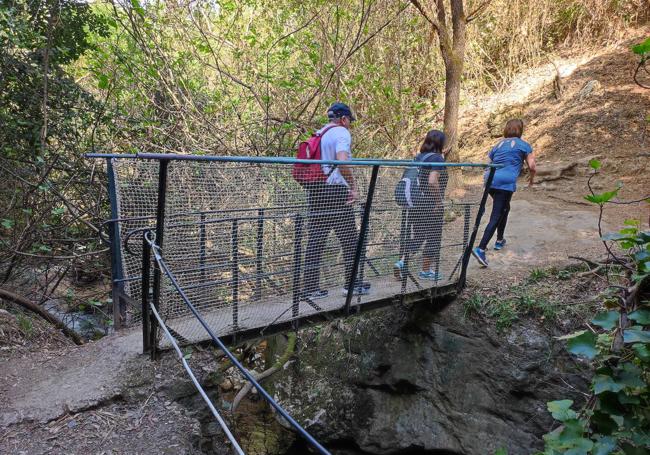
x: 252, y: 248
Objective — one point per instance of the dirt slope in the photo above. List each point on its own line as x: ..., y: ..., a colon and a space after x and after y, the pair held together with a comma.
x: 599, y: 113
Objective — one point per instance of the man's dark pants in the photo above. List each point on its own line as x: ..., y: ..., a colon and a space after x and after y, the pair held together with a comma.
x: 328, y: 210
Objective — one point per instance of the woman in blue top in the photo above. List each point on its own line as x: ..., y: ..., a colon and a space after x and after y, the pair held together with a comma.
x: 511, y: 152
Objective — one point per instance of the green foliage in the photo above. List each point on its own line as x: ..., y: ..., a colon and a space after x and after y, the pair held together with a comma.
x: 615, y: 419
x: 642, y: 49
x: 582, y: 343
x: 537, y: 275
x: 25, y: 324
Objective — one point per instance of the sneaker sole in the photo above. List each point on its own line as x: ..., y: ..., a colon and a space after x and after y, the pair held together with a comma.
x: 362, y: 292
x: 314, y: 297
x: 478, y: 258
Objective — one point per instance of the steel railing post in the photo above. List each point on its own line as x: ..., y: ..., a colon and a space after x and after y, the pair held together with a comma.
x: 160, y: 229
x: 362, y: 238
x: 477, y: 223
x: 146, y: 275
x: 259, y: 254
x: 297, y: 265
x: 119, y: 309
x: 202, y: 241
x: 235, y: 274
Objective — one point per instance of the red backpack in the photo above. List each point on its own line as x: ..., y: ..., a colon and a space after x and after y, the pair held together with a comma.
x: 310, y: 150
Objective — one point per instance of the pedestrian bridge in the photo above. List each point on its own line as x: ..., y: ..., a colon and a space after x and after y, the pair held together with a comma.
x: 231, y: 235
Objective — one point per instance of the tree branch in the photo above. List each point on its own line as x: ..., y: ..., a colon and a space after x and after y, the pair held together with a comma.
x: 424, y: 14
x: 477, y: 11
x: 31, y: 306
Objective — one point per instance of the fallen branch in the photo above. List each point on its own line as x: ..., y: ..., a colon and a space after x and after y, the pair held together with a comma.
x: 23, y: 302
x: 277, y: 366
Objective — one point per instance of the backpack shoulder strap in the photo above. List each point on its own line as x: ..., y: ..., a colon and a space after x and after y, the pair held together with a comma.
x: 424, y: 157
x: 325, y: 130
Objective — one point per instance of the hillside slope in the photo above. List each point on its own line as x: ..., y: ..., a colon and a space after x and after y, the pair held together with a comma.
x: 599, y: 113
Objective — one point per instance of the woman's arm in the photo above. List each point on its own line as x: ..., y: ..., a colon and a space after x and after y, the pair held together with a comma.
x: 433, y: 180
x: 532, y: 167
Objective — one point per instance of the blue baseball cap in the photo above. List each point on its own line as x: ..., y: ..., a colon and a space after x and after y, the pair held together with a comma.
x: 338, y: 110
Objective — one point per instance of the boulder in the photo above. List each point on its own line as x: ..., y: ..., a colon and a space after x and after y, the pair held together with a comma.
x: 397, y: 381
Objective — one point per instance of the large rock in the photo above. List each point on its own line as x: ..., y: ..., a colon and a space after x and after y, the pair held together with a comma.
x: 409, y: 382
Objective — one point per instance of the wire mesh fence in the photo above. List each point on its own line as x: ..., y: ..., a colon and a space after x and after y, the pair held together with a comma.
x: 252, y: 248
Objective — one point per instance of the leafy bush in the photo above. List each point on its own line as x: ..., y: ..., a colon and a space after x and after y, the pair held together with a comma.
x: 616, y: 416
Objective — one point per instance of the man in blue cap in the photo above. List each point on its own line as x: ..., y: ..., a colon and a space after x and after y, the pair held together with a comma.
x: 330, y: 203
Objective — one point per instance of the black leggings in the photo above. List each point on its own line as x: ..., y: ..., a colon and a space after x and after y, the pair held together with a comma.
x: 328, y: 210
x: 498, y: 218
x: 422, y: 225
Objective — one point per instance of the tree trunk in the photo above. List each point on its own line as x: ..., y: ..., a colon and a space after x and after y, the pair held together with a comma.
x: 454, y: 64
x: 452, y: 101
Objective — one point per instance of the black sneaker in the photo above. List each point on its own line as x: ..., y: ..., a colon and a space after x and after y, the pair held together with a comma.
x: 317, y: 294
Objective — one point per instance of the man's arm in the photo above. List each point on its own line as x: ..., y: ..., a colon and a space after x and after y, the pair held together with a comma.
x: 346, y: 172
x: 532, y: 168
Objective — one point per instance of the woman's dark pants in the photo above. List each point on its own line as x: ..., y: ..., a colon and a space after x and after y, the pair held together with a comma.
x: 498, y: 218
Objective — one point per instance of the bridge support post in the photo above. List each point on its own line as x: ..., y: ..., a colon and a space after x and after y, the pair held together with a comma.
x: 259, y: 254
x: 119, y: 306
x: 235, y: 274
x: 361, y: 241
x: 160, y: 229
x: 297, y: 266
x: 146, y: 275
x: 468, y: 250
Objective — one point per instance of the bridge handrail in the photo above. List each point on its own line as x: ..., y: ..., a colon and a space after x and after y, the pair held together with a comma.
x: 237, y: 448
x: 284, y: 160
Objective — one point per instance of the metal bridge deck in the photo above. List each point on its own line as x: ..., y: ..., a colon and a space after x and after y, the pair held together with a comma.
x: 254, y: 317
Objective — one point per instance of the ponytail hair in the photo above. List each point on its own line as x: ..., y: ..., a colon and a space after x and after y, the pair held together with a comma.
x: 433, y: 142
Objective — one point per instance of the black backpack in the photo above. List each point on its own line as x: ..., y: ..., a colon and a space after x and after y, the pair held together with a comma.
x: 407, y: 190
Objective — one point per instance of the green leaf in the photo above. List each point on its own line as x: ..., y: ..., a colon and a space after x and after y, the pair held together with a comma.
x: 640, y: 316
x: 624, y: 398
x: 636, y: 336
x: 602, y: 197
x: 642, y: 48
x: 595, y: 164
x: 561, y: 410
x: 631, y: 377
x: 137, y: 7
x: 583, y: 345
x: 7, y: 223
x: 501, y: 451
x: 642, y: 351
x: 632, y: 222
x: 607, y: 320
x: 604, y: 383
x: 604, y: 446
x: 102, y: 82
x: 641, y: 255
x: 615, y: 236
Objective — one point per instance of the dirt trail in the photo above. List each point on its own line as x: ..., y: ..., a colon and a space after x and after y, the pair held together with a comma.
x: 37, y: 388
x: 540, y: 233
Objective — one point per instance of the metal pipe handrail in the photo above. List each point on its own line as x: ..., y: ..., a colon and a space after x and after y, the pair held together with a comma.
x: 222, y: 423
x: 163, y: 267
x: 283, y: 160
